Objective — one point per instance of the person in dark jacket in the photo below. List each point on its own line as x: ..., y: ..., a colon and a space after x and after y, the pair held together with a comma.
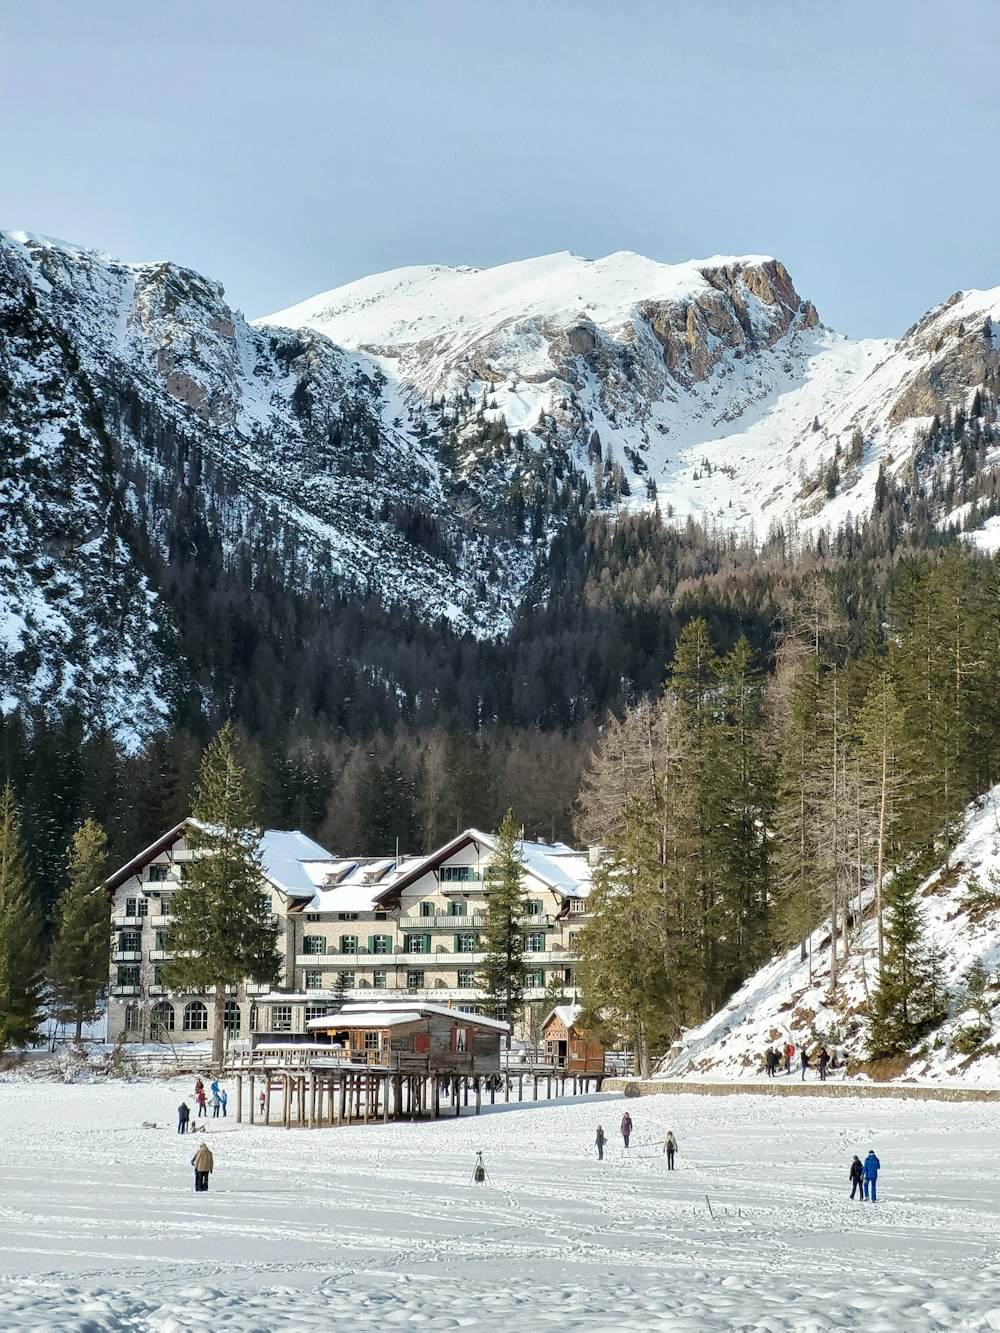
x: 183, y: 1116
x: 769, y: 1062
x: 804, y: 1058
x: 626, y: 1127
x: 870, y: 1172
x: 854, y: 1176
x: 823, y: 1062
x: 599, y: 1142
x: 670, y: 1147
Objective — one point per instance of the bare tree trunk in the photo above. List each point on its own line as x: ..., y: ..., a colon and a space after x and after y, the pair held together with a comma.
x: 880, y: 850
x: 219, y: 1029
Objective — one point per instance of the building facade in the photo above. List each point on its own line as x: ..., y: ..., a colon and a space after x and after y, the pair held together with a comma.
x: 349, y: 929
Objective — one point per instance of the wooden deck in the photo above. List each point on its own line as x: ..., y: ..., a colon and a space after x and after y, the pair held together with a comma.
x: 319, y: 1086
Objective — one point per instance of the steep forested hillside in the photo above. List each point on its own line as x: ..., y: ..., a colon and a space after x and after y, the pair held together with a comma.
x: 422, y: 570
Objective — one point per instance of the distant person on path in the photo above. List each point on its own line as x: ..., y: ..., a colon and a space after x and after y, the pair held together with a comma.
x: 870, y: 1172
x: 183, y: 1116
x: 789, y: 1052
x: 804, y: 1058
x: 203, y: 1164
x: 855, y: 1178
x: 670, y: 1147
x: 224, y: 1099
x: 823, y: 1062
x: 769, y: 1062
x: 216, y: 1105
x: 199, y: 1087
x: 600, y: 1142
x: 626, y: 1127
x: 262, y: 1100
x: 202, y: 1104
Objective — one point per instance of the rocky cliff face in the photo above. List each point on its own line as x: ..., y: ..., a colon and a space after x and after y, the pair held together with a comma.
x: 418, y: 437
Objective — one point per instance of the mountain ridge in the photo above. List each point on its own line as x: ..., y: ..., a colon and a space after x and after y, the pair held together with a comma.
x: 434, y: 473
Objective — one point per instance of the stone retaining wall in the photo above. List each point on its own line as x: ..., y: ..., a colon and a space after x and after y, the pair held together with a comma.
x: 646, y: 1088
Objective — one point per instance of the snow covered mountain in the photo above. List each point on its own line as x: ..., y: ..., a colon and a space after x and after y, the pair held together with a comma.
x: 789, y: 1000
x: 711, y: 384
x: 417, y: 438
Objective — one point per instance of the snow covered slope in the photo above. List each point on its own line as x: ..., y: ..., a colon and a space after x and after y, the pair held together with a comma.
x: 418, y: 438
x: 787, y: 1001
x: 711, y: 383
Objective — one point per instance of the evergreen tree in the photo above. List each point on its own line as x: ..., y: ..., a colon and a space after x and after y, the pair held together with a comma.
x: 741, y: 793
x: 340, y: 988
x: 633, y: 962
x: 387, y: 811
x: 503, y: 971
x: 976, y: 996
x: 21, y: 975
x: 221, y: 933
x: 885, y: 786
x: 908, y: 1001
x: 78, y: 967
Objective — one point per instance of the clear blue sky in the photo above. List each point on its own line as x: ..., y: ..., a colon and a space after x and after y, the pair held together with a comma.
x: 290, y: 147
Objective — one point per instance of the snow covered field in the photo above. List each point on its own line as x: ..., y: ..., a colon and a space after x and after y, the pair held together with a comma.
x: 380, y: 1227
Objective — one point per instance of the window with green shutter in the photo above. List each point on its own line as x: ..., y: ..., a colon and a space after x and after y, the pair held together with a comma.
x: 380, y: 944
x: 348, y: 944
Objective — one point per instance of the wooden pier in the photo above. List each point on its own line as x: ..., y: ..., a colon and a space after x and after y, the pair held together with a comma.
x: 318, y: 1087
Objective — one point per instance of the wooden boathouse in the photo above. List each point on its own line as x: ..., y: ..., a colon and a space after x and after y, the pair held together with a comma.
x: 566, y: 1047
x: 388, y: 1061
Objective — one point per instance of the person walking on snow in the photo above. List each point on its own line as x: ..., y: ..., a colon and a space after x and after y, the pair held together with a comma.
x: 626, y: 1127
x: 202, y: 1106
x: 183, y: 1116
x: 670, y: 1147
x: 599, y: 1143
x: 769, y: 1062
x: 262, y: 1099
x: 216, y: 1105
x: 824, y: 1060
x: 805, y: 1062
x: 203, y: 1164
x: 870, y: 1173
x: 223, y: 1098
x: 854, y: 1176
x: 789, y: 1052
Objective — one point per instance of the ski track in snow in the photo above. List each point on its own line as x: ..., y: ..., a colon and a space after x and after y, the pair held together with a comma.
x: 380, y: 1227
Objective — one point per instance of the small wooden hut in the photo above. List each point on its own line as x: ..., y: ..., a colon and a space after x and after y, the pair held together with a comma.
x: 408, y: 1037
x: 568, y: 1049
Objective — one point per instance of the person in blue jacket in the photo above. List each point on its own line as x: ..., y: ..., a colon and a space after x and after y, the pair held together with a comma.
x: 870, y: 1173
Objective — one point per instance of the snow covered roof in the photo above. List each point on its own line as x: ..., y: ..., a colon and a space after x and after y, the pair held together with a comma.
x: 567, y: 1014
x: 566, y: 871
x: 292, y: 862
x: 393, y: 1013
x: 365, y: 1018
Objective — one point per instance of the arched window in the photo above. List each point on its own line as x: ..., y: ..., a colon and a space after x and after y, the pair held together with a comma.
x: 195, y: 1017
x: 232, y: 1017
x: 132, y: 1018
x: 163, y: 1017
x: 253, y: 1018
